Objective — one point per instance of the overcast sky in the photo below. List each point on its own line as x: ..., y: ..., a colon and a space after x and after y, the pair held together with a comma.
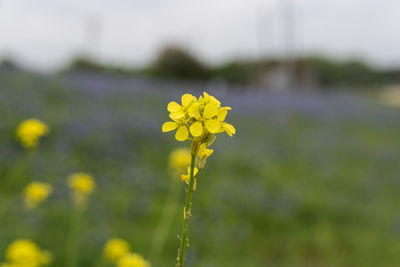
x: 46, y: 33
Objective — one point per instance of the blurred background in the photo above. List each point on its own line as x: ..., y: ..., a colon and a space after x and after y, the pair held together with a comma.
x: 310, y: 179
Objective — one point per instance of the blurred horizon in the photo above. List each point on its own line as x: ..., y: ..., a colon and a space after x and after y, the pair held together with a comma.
x: 46, y: 35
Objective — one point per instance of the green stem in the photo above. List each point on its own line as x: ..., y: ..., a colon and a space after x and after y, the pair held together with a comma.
x: 186, y: 216
x: 71, y: 257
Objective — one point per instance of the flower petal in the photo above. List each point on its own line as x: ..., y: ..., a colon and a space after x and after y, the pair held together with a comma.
x: 222, y: 112
x: 187, y: 99
x: 177, y: 115
x: 196, y: 129
x: 182, y: 133
x: 210, y: 110
x: 211, y: 99
x: 229, y: 129
x: 213, y: 126
x: 169, y: 126
x: 194, y: 110
x: 204, y: 152
x: 173, y: 107
x: 185, y: 178
x: 208, y: 152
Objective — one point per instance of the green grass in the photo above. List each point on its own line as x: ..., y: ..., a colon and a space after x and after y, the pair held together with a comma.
x: 290, y: 189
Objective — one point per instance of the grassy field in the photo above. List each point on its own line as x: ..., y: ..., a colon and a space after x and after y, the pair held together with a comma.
x: 309, y: 179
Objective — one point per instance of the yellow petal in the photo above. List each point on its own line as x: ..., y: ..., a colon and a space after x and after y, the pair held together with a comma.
x: 196, y: 129
x: 204, y: 152
x: 202, y: 147
x: 182, y: 133
x: 169, y: 126
x: 229, y: 129
x: 174, y: 107
x: 177, y: 115
x: 188, y: 99
x: 213, y: 126
x: 185, y: 178
x: 210, y: 110
x: 211, y: 99
x: 194, y: 110
x: 222, y: 112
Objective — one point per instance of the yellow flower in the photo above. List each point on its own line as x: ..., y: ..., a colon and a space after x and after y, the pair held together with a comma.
x: 36, y: 193
x: 116, y: 248
x: 179, y: 159
x: 177, y: 111
x: 133, y: 260
x: 203, y: 154
x: 225, y: 127
x: 24, y: 252
x: 205, y: 117
x: 82, y: 185
x: 201, y: 118
x: 186, y: 177
x: 29, y: 132
x: 206, y: 98
x: 180, y: 117
x: 182, y: 133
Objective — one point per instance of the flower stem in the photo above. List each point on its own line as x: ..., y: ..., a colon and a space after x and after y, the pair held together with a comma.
x: 186, y: 215
x: 71, y: 255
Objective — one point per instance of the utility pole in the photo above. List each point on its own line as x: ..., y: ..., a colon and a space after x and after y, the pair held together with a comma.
x: 92, y: 37
x: 289, y: 46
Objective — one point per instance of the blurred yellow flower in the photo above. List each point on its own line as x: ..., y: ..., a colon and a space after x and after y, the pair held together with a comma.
x: 24, y: 252
x: 36, y: 193
x: 133, y: 260
x: 116, y: 248
x: 179, y: 159
x: 29, y: 131
x: 82, y: 185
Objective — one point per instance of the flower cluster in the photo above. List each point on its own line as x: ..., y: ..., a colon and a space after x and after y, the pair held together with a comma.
x: 201, y: 118
x: 24, y: 252
x: 82, y: 185
x: 198, y: 120
x: 29, y: 132
x: 36, y: 193
x: 118, y: 251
